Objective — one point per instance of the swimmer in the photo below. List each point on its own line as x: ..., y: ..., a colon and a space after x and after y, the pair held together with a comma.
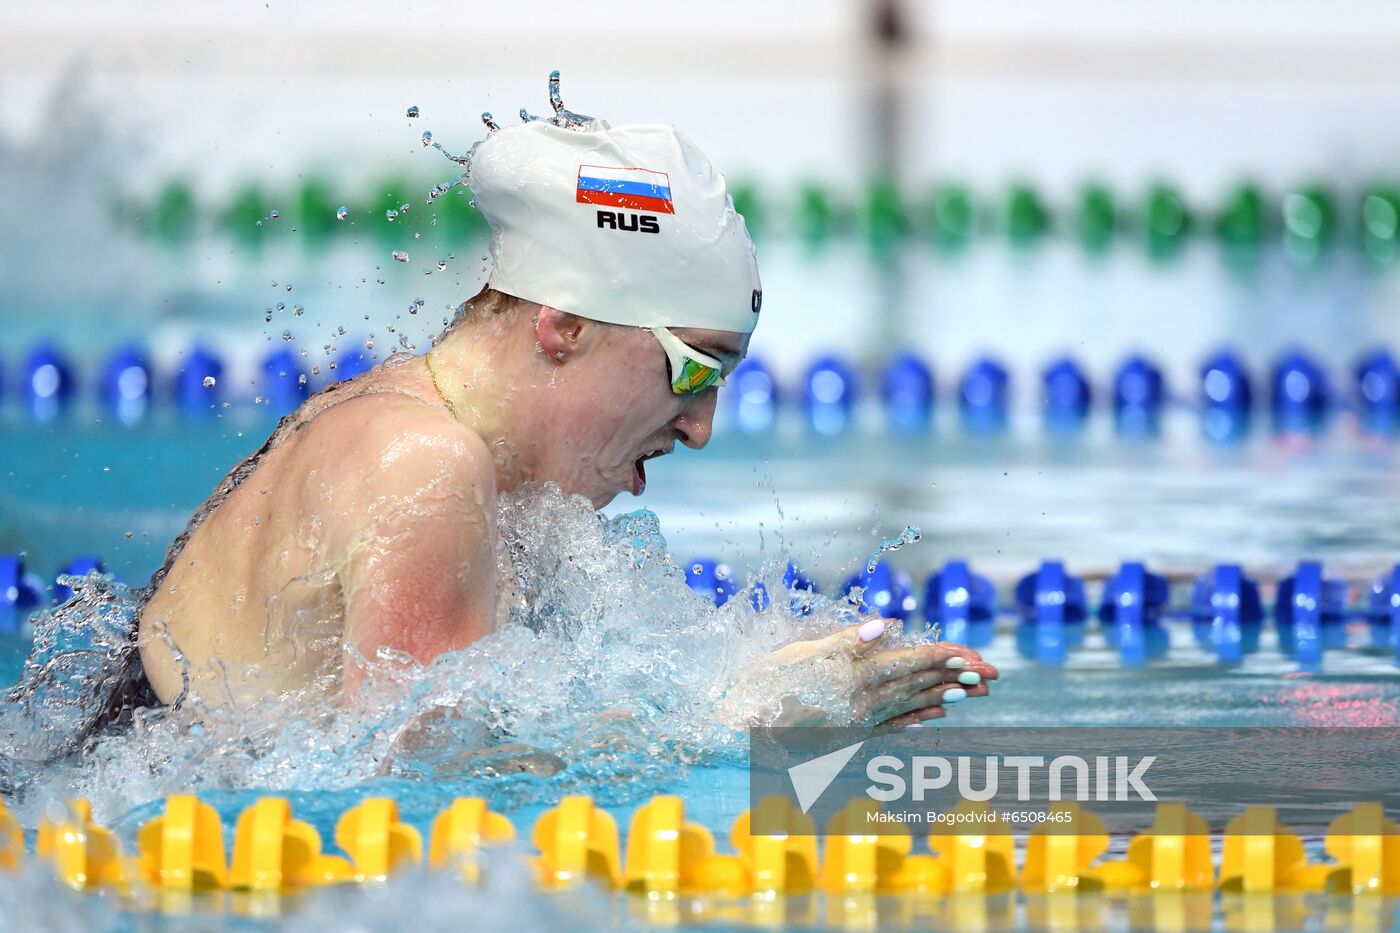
x: 624, y: 290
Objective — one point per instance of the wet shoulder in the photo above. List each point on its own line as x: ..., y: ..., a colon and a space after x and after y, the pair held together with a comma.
x: 383, y: 437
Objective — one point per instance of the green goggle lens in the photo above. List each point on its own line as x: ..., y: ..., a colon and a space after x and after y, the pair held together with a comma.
x: 695, y: 377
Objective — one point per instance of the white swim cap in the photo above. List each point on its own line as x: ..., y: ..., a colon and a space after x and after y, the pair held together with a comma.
x: 628, y: 224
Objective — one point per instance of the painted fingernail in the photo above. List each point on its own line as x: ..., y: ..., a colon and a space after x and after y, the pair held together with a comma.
x: 955, y: 663
x: 871, y: 630
x: 969, y: 678
x: 954, y: 695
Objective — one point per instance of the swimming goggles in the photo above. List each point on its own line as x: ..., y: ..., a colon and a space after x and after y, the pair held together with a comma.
x: 691, y: 370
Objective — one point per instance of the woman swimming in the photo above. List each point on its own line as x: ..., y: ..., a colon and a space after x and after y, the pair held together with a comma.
x: 624, y: 290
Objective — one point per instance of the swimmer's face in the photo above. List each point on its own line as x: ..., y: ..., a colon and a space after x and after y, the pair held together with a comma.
x: 615, y: 409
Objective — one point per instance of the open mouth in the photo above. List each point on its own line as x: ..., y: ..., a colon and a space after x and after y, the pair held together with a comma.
x: 639, y: 471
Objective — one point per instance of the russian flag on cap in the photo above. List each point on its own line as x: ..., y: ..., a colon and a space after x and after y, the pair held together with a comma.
x: 636, y: 189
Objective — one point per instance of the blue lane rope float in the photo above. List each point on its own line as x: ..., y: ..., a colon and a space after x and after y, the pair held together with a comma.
x: 127, y: 384
x: 196, y: 386
x: 20, y: 591
x: 907, y: 391
x: 982, y: 397
x: 754, y: 396
x: 1227, y: 397
x: 48, y: 384
x: 1310, y: 612
x: 961, y: 604
x: 1131, y: 611
x: 1384, y: 612
x: 711, y: 578
x: 1138, y: 394
x: 1065, y: 397
x: 1378, y: 393
x: 1226, y: 613
x: 798, y: 588
x: 829, y: 395
x: 284, y: 381
x: 1299, y: 394
x: 1052, y: 609
x: 885, y: 591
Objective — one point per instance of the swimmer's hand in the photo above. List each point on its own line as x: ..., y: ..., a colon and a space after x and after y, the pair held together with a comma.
x: 894, y: 687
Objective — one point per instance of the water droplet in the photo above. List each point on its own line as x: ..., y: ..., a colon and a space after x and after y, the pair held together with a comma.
x: 301, y: 380
x: 369, y: 344
x: 417, y: 303
x: 342, y: 212
x: 129, y: 535
x: 412, y: 112
x: 427, y: 138
x: 390, y: 214
x: 403, y: 208
x: 287, y: 336
x: 406, y: 343
x: 257, y: 400
x: 909, y: 535
x: 399, y: 255
x: 297, y: 310
x: 442, y: 264
x: 281, y: 306
x: 274, y: 214
x: 289, y: 286
x: 209, y: 382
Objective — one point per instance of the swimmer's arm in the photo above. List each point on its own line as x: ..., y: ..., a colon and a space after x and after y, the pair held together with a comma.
x: 419, y: 575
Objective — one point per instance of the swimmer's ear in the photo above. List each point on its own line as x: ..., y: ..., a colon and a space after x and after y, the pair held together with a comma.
x: 558, y: 333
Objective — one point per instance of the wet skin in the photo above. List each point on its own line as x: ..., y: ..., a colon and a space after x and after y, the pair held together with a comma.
x: 370, y: 521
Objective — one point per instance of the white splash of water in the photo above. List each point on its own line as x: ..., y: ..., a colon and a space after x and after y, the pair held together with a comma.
x: 610, y: 678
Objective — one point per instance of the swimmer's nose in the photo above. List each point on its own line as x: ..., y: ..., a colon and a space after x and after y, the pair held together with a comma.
x: 696, y: 421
